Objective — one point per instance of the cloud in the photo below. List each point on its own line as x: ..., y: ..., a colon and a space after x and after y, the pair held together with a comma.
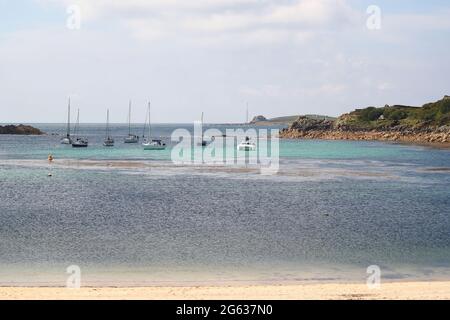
x: 419, y: 22
x: 313, y: 13
x: 283, y: 57
x: 205, y: 20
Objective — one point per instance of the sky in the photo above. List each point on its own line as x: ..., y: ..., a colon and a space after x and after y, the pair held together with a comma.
x: 284, y: 57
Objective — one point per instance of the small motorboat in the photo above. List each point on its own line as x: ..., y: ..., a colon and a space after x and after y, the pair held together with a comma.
x: 246, y: 145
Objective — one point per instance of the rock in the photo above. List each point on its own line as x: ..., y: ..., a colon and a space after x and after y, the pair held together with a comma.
x: 259, y: 118
x: 20, y: 130
x: 306, y: 124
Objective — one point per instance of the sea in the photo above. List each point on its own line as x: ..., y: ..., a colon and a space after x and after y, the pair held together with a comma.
x: 125, y: 216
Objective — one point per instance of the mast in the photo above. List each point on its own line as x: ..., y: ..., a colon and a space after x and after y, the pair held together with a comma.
x: 247, y: 114
x: 202, y: 126
x: 107, y: 123
x: 129, y: 119
x: 145, y: 125
x: 149, y: 123
x: 77, y: 124
x: 68, y: 120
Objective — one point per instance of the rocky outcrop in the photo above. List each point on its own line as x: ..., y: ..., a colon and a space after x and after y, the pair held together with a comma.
x: 259, y: 118
x: 20, y: 130
x: 306, y: 124
x: 341, y: 129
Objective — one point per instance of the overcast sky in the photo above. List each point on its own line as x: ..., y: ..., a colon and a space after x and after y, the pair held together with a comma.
x: 283, y: 57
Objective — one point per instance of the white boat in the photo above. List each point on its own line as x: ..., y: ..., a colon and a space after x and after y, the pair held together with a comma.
x: 131, y: 138
x: 67, y: 139
x: 203, y: 142
x: 154, y: 144
x: 79, y: 142
x: 109, y: 141
x: 149, y: 143
x: 246, y: 145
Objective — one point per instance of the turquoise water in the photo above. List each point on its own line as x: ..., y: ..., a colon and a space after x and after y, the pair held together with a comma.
x: 31, y: 147
x: 333, y: 209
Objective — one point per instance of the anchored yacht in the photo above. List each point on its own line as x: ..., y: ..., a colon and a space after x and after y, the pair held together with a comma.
x: 67, y: 139
x: 149, y: 143
x: 109, y: 141
x: 131, y: 138
x: 79, y: 142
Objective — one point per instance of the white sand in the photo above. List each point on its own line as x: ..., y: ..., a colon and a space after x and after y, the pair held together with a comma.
x: 395, y: 290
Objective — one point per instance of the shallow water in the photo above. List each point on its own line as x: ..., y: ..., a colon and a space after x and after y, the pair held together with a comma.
x: 127, y: 216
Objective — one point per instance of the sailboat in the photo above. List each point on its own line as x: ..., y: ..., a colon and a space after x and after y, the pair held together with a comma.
x: 79, y: 142
x: 109, y: 141
x: 203, y: 143
x: 132, y: 138
x: 149, y: 143
x: 67, y: 139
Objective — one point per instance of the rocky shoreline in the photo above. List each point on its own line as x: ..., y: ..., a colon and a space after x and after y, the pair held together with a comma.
x: 20, y: 130
x: 422, y: 125
x: 328, y: 130
x: 431, y: 137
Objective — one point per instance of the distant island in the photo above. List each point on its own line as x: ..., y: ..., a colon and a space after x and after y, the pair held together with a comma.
x: 288, y: 120
x: 20, y: 130
x: 429, y: 123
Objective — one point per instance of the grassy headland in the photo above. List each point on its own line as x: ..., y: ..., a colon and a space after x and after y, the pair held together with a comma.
x: 429, y: 123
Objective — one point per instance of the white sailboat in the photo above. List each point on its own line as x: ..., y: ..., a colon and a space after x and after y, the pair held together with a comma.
x: 67, y: 139
x: 149, y: 143
x: 79, y: 142
x: 203, y: 143
x: 131, y: 138
x: 109, y: 141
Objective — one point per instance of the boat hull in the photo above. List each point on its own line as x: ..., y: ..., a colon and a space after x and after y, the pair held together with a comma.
x: 154, y: 147
x: 79, y: 145
x: 109, y: 142
x: 66, y: 141
x: 247, y: 148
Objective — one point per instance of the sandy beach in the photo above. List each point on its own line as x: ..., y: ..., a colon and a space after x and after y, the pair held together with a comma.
x: 392, y: 291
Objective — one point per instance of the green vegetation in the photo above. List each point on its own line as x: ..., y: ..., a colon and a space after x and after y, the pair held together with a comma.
x: 431, y: 114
